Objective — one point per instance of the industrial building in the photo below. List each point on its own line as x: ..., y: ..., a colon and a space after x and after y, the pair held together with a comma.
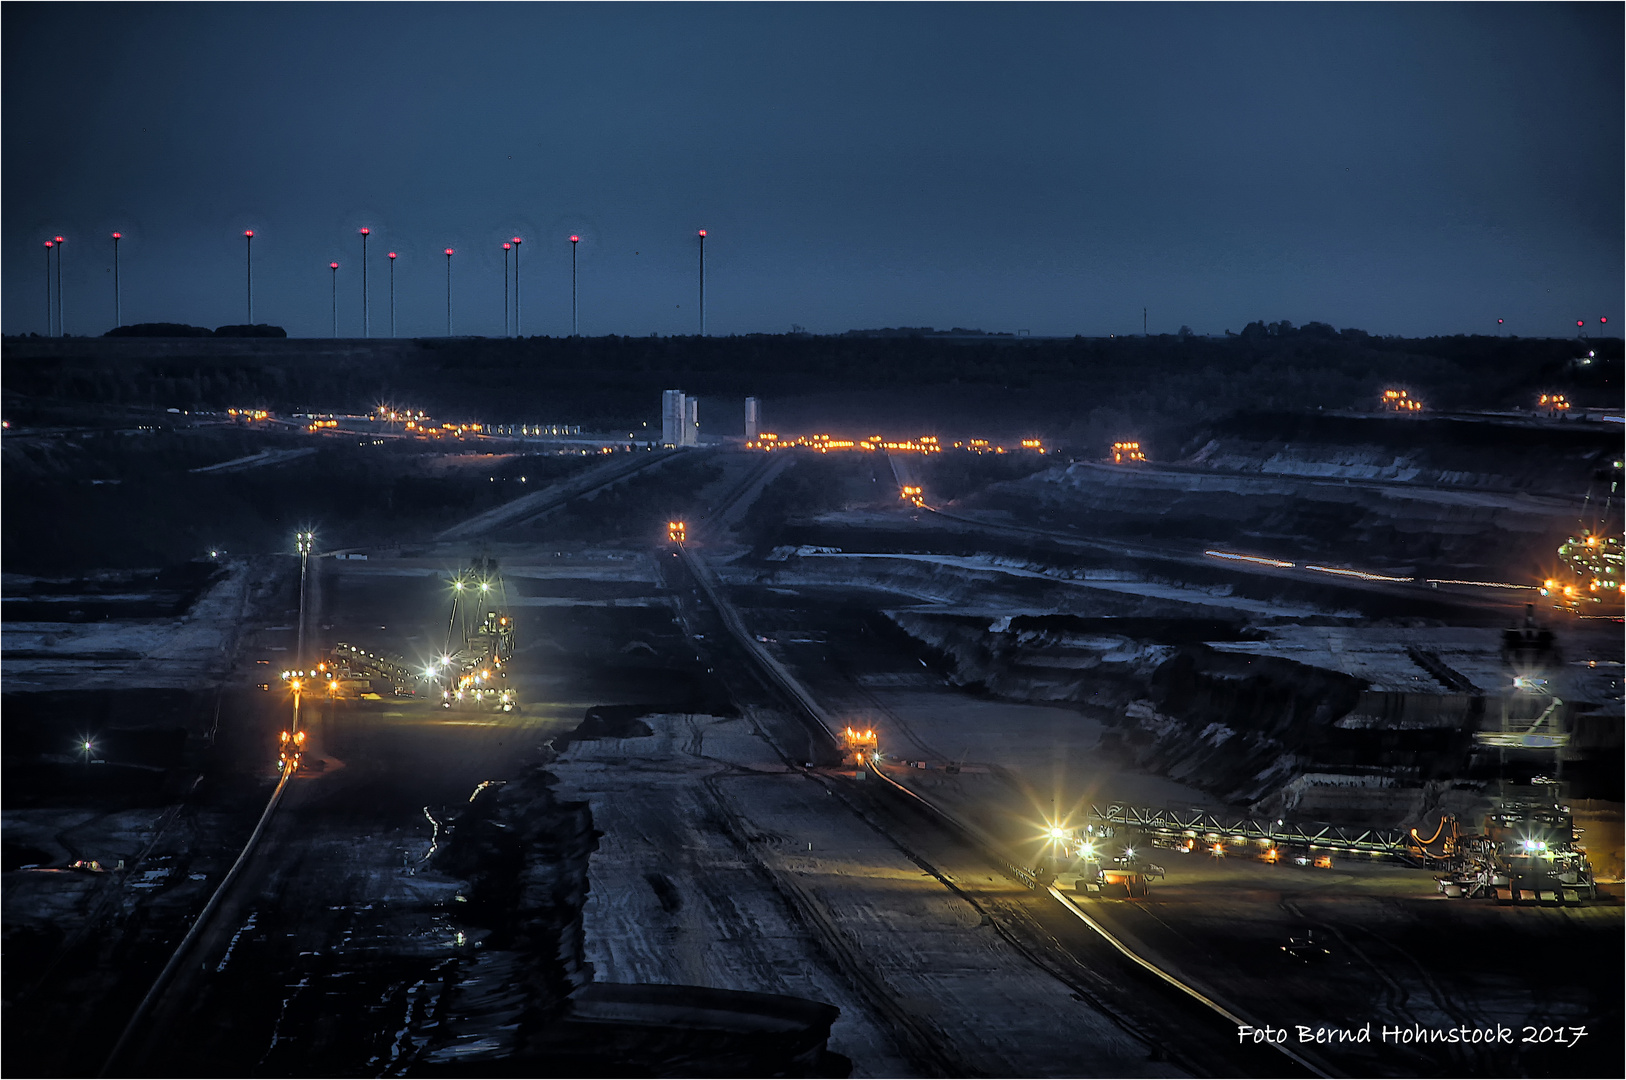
x: 680, y: 419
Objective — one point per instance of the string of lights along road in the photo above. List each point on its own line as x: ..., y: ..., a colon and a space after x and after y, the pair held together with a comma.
x: 56, y: 326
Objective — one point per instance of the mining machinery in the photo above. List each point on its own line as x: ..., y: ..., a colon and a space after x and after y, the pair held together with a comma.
x: 860, y: 748
x: 472, y: 671
x: 1525, y: 850
x: 367, y: 671
x: 1102, y: 861
x: 1592, y: 578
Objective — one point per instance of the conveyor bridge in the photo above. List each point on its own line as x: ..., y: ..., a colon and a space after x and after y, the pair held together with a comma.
x: 1203, y: 825
x: 384, y: 664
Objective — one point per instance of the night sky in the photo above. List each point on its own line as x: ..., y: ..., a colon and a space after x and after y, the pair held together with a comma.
x: 1409, y: 169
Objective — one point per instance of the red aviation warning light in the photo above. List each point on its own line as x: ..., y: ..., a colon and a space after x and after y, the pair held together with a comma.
x: 448, y: 251
x: 702, y: 234
x: 506, y: 246
x: 49, y: 244
x: 365, y: 231
x: 575, y: 239
x: 392, y: 254
x: 333, y: 266
x: 118, y: 236
x: 249, y: 233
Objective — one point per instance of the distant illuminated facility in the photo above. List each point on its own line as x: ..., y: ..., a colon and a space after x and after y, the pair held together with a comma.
x: 1595, y: 570
x: 924, y: 444
x: 1400, y: 401
x: 680, y: 419
x: 1127, y: 451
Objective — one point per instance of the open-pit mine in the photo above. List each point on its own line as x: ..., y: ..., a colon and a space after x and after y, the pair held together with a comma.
x: 1285, y: 743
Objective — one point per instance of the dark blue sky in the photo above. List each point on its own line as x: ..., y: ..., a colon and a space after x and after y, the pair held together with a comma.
x: 1412, y: 169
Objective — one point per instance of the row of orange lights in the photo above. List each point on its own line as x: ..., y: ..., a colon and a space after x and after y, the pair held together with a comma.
x: 1127, y: 451
x: 925, y: 444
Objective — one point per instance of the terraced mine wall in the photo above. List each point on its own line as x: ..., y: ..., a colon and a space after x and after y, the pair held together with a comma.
x: 1401, y: 529
x: 524, y: 854
x: 1509, y: 453
x: 1252, y: 730
x: 529, y: 1001
x: 1446, y: 497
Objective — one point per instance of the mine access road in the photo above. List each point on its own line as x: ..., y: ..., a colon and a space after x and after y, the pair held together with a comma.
x: 1175, y: 1020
